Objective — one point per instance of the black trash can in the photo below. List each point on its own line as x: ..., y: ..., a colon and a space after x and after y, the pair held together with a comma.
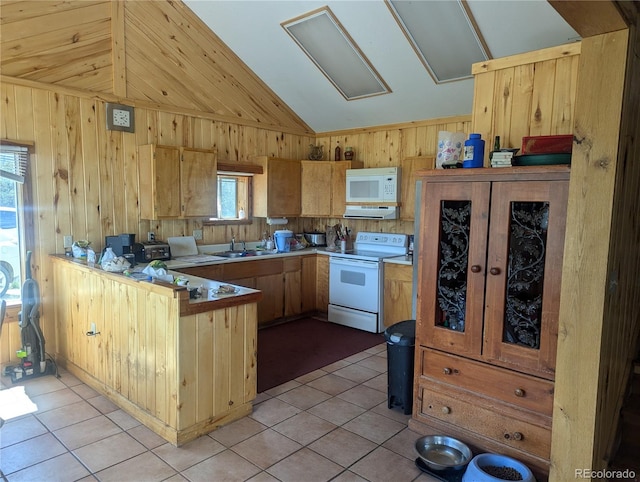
x: 401, y: 340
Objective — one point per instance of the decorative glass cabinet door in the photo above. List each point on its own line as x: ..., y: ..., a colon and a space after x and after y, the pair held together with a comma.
x: 453, y: 240
x: 490, y: 270
x: 524, y: 268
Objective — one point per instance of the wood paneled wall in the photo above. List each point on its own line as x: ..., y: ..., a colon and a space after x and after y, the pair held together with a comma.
x: 599, y: 318
x: 84, y: 178
x: 154, y: 52
x: 386, y: 146
x: 531, y: 94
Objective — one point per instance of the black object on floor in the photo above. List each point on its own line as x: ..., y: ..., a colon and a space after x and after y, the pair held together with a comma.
x: 401, y: 338
x: 448, y: 475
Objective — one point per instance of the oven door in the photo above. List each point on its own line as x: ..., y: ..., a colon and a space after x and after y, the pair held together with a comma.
x: 355, y: 283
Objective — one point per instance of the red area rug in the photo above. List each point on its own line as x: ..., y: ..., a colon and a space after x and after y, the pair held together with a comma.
x: 292, y: 349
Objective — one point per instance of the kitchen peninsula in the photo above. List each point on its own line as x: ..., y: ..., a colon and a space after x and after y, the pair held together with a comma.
x: 181, y: 366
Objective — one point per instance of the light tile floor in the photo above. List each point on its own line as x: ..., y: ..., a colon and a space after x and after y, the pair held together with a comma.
x: 331, y: 424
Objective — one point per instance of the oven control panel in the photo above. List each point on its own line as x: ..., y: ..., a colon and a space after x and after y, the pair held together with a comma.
x: 382, y: 239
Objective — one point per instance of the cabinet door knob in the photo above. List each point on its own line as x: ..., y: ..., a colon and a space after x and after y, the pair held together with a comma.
x: 519, y: 392
x: 447, y: 371
x: 517, y: 436
x: 476, y: 268
x: 494, y: 271
x: 446, y: 410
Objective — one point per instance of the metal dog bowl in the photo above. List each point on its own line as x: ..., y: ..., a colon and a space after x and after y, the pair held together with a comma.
x: 440, y: 452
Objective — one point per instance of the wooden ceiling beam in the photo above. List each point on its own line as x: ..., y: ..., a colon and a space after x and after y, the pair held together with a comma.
x: 590, y: 18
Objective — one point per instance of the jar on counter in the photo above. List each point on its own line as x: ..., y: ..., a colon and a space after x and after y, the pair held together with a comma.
x: 348, y: 153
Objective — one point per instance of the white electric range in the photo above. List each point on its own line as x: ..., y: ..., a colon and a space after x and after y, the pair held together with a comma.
x: 356, y: 280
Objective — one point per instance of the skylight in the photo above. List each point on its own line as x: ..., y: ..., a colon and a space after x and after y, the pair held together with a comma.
x: 334, y: 52
x: 443, y: 34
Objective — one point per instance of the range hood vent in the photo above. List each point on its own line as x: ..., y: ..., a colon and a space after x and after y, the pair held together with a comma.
x: 371, y: 212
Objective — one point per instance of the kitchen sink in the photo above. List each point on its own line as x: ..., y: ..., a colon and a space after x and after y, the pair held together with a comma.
x: 242, y: 254
x: 232, y: 254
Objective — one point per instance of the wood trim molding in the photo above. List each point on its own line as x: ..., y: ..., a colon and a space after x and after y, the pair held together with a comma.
x: 237, y: 167
x: 590, y: 18
x: 403, y: 125
x: 566, y: 50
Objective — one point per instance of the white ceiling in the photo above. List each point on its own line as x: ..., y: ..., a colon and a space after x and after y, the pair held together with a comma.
x: 251, y: 28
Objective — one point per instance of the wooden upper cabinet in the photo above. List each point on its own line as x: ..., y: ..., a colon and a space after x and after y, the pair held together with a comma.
x: 198, y: 183
x: 276, y: 192
x: 410, y: 166
x: 323, y: 186
x: 316, y: 187
x: 177, y: 182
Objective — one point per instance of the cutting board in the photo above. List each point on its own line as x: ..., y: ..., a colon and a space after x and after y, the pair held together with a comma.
x: 182, y: 246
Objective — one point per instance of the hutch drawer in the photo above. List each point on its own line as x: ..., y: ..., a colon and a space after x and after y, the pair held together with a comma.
x: 489, y: 421
x: 519, y: 389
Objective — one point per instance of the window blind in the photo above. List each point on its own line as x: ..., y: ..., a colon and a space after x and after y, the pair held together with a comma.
x: 13, y: 162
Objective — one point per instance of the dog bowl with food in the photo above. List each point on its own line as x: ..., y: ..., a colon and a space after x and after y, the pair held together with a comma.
x: 443, y: 453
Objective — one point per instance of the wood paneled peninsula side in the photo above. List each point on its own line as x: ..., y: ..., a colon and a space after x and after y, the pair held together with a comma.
x: 181, y: 367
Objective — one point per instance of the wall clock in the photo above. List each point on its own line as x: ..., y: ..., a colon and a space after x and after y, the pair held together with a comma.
x: 120, y: 117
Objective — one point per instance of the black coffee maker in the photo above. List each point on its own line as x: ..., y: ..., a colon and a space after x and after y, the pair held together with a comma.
x: 121, y: 244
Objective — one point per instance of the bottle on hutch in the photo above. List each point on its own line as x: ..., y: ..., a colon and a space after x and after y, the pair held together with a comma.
x: 473, y: 151
x: 338, y: 151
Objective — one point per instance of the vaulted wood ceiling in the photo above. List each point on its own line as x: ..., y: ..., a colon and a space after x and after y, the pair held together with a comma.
x: 154, y: 52
x: 159, y: 53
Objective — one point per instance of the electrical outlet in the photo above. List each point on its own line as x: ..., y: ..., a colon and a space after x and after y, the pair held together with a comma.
x: 197, y: 234
x: 68, y: 241
x: 151, y: 236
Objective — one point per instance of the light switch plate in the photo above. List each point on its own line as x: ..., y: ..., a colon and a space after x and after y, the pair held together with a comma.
x: 197, y: 234
x: 120, y: 117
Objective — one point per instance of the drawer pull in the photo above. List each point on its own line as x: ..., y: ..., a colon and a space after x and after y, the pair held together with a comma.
x: 476, y: 268
x: 516, y: 436
x: 446, y: 410
x: 494, y: 271
x: 447, y: 371
x: 519, y: 392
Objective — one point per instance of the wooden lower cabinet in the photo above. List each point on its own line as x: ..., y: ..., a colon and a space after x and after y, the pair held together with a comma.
x: 288, y: 283
x: 398, y: 292
x: 322, y: 283
x: 181, y: 375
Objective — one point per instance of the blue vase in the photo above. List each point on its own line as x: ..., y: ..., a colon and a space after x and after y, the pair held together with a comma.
x: 473, y: 151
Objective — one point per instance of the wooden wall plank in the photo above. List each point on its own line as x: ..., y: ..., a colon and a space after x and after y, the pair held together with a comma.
x: 522, y: 95
x: 502, y: 109
x: 542, y: 99
x: 118, y: 50
x: 586, y: 255
x: 39, y: 20
x: 21, y: 10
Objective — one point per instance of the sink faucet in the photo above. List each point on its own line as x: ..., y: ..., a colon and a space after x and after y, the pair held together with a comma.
x: 244, y: 247
x: 233, y: 242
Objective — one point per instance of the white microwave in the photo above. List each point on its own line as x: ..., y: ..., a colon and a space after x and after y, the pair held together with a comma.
x: 373, y: 185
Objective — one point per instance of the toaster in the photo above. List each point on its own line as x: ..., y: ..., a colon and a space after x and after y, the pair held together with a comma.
x: 148, y: 251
